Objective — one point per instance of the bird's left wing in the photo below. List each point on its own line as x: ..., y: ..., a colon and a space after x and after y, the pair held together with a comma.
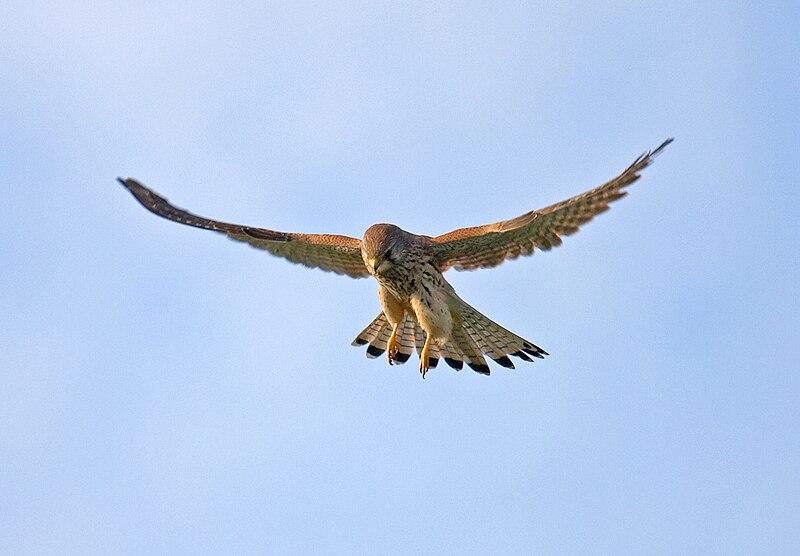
x: 488, y: 246
x: 334, y: 253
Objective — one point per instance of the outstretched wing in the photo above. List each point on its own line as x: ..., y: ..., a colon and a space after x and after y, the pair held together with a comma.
x: 334, y: 253
x: 488, y: 246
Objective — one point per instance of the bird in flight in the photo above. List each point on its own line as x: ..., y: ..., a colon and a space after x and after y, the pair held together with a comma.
x: 420, y: 309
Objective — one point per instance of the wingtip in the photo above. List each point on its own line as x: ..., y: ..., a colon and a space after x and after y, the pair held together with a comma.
x: 661, y: 147
x: 130, y: 184
x: 137, y: 189
x: 647, y: 157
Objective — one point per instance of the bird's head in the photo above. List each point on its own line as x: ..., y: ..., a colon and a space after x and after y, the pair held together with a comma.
x: 383, y: 245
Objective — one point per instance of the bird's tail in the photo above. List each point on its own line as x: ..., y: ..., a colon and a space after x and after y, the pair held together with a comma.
x: 473, y: 335
x: 376, y: 337
x: 474, y: 331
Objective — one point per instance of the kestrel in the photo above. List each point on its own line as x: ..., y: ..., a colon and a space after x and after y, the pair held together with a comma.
x: 420, y: 308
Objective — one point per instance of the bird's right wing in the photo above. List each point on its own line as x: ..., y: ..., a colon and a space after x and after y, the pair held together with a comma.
x: 333, y: 253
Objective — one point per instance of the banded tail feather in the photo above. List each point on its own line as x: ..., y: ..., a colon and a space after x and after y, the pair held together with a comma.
x: 376, y: 337
x: 474, y: 336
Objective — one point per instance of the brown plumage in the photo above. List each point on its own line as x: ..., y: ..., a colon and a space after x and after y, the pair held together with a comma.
x: 421, y: 311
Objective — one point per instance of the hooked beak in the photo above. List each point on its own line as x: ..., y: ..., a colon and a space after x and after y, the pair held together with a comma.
x: 374, y: 264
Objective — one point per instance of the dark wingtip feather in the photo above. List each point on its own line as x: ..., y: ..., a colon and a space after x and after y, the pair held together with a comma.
x: 661, y: 147
x: 359, y: 342
x: 373, y: 352
x: 133, y: 187
x: 401, y: 358
x: 647, y: 157
x: 432, y: 362
x: 136, y: 188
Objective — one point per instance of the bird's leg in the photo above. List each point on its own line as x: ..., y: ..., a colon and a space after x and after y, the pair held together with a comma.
x: 392, y: 347
x: 423, y: 356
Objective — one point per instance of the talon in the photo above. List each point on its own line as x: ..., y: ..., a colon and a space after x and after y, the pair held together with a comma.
x: 392, y: 346
x: 423, y: 357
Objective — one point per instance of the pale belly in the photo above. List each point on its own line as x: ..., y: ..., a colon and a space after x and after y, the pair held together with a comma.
x: 433, y: 314
x: 427, y: 297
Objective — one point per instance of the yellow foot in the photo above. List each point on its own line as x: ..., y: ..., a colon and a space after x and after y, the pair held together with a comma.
x: 392, y: 346
x: 423, y: 357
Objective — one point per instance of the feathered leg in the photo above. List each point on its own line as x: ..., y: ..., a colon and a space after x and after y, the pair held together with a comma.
x: 395, y: 314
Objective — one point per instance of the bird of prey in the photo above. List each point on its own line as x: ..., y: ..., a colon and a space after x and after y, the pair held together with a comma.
x: 420, y: 309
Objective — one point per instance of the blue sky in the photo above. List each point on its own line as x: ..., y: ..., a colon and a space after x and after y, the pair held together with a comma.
x: 165, y: 390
